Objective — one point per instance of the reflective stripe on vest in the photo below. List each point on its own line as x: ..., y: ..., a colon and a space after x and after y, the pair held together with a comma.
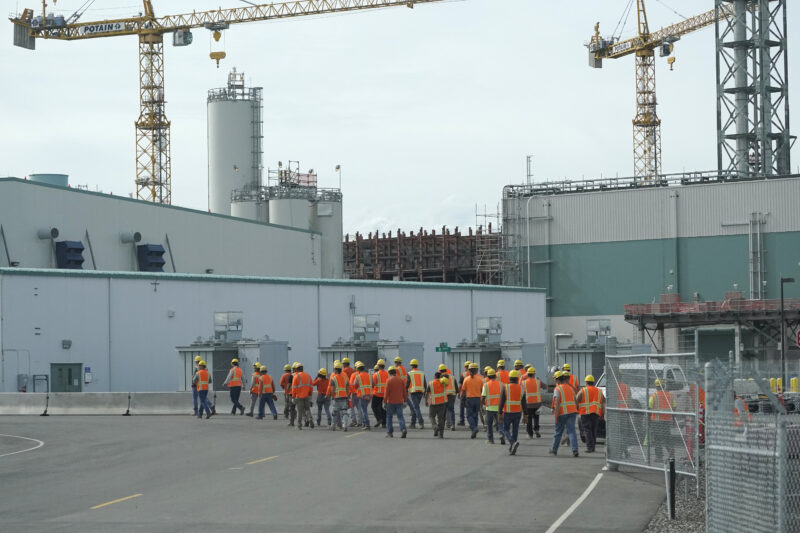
x: 339, y: 382
x: 533, y: 393
x: 417, y: 381
x: 202, y: 379
x: 567, y: 400
x: 513, y: 398
x: 590, y: 401
x: 364, y: 386
x: 303, y: 381
x: 438, y: 393
x: 266, y: 384
x: 401, y: 373
x: 623, y: 394
x: 451, y: 385
x: 493, y: 392
x: 236, y: 377
x: 662, y: 401
x: 379, y: 378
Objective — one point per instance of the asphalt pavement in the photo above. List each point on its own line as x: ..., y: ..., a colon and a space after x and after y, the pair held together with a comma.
x: 179, y: 473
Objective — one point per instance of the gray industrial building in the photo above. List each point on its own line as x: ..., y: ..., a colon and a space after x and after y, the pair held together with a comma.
x: 119, y: 331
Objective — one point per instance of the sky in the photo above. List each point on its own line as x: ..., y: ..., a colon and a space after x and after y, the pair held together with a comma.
x: 429, y: 112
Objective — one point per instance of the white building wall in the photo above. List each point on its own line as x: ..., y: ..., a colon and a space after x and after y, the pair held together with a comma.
x: 125, y: 326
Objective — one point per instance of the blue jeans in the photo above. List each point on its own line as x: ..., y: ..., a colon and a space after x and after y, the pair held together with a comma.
x: 491, y: 421
x: 235, y: 393
x: 568, y: 422
x: 394, y: 409
x: 323, y: 401
x: 204, y: 403
x: 416, y: 413
x: 451, y: 410
x: 473, y: 407
x: 363, y: 407
x: 511, y: 427
x: 462, y: 407
x: 195, y: 397
x: 266, y: 399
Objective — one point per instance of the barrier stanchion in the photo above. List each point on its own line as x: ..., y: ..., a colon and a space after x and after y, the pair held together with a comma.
x: 128, y: 411
x: 46, y: 405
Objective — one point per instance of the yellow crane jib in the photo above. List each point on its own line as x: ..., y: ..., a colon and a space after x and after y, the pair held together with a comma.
x: 153, y: 159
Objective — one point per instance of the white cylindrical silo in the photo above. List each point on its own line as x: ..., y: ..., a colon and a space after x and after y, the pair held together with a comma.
x: 292, y: 212
x: 326, y: 218
x: 250, y: 209
x: 234, y: 141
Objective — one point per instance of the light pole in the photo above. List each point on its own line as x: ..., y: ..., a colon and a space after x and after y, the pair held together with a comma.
x: 783, y: 334
x: 339, y: 170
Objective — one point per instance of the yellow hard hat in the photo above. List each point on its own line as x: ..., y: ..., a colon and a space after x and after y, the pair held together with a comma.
x: 359, y: 364
x: 501, y: 364
x: 256, y: 365
x: 414, y: 362
x: 531, y: 370
x: 589, y: 378
x: 375, y: 367
x: 346, y: 361
x: 491, y: 373
x: 566, y: 367
x: 287, y: 367
x: 486, y: 369
x: 234, y: 360
x: 473, y: 365
x: 658, y: 383
x: 466, y: 364
x: 295, y: 365
x: 201, y: 363
x: 323, y: 372
x: 518, y: 363
x: 398, y: 359
x: 197, y: 358
x: 337, y: 364
x: 391, y: 369
x: 557, y: 374
x: 263, y: 368
x: 444, y: 381
x: 381, y: 362
x: 442, y: 368
x: 513, y: 374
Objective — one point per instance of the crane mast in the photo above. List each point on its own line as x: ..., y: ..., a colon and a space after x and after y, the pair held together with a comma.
x: 153, y: 154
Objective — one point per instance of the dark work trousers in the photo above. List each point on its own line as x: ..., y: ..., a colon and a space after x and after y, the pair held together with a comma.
x: 451, y: 409
x: 462, y: 407
x: 473, y: 408
x: 491, y: 423
x: 533, y: 419
x: 235, y: 393
x: 438, y: 414
x: 378, y: 410
x: 590, y: 423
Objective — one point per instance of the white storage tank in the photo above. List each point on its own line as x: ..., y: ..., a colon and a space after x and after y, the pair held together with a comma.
x: 250, y: 209
x: 234, y: 141
x: 326, y: 218
x: 292, y: 212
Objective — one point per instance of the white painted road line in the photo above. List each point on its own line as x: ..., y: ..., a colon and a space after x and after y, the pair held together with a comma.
x: 41, y: 443
x: 575, y: 505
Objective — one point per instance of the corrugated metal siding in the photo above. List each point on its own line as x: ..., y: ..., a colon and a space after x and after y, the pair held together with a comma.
x: 698, y: 211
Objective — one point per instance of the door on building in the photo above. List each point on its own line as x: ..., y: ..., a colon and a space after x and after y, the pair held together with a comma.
x: 65, y: 377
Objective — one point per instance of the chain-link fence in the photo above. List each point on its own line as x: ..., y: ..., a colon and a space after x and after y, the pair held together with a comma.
x: 752, y: 454
x: 652, y: 411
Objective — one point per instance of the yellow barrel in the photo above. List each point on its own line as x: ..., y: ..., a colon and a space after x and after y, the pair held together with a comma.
x: 794, y: 386
x: 773, y: 388
x: 780, y: 385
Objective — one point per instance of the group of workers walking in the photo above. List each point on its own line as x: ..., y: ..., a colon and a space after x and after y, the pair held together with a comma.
x: 500, y: 399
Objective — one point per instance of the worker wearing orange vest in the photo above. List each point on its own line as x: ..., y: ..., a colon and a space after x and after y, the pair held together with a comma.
x: 565, y: 410
x: 490, y: 395
x: 661, y: 404
x: 511, y: 400
x: 266, y: 393
x: 416, y: 390
x: 502, y: 373
x: 436, y: 397
x: 234, y: 382
x: 379, y: 379
x: 741, y: 413
x: 202, y: 379
x: 532, y: 389
x: 254, y: 387
x: 471, y: 392
x: 591, y: 408
x: 286, y: 385
x: 321, y: 382
x: 302, y: 392
x: 363, y: 386
x: 339, y: 392
x: 348, y: 373
x: 462, y: 405
x: 195, y: 395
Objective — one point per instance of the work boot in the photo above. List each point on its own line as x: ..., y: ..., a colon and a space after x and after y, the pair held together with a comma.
x: 213, y: 409
x: 208, y: 415
x: 514, y: 447
x: 551, y: 452
x: 290, y: 424
x: 422, y: 425
x: 461, y: 423
x: 413, y: 425
x: 345, y: 429
x: 195, y: 412
x: 241, y: 407
x: 389, y: 436
x: 474, y: 433
x: 251, y: 415
x: 367, y: 428
x: 200, y: 415
x: 489, y: 441
x: 503, y: 440
x: 403, y: 435
x: 332, y: 428
x: 435, y: 432
x: 575, y: 453
x: 452, y: 428
x: 441, y: 434
x: 299, y: 427
x: 538, y: 435
x: 274, y: 417
x: 312, y: 424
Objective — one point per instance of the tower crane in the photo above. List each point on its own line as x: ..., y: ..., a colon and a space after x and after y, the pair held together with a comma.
x: 646, y: 124
x: 153, y: 165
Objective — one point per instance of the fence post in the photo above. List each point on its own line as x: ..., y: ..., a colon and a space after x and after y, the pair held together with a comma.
x: 647, y: 437
x: 672, y: 488
x: 781, y: 471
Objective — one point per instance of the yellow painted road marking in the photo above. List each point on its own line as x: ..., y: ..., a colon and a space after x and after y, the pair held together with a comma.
x: 262, y: 460
x: 112, y: 502
x: 355, y: 434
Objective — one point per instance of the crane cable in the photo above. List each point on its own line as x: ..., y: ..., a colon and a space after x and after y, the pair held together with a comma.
x: 621, y: 23
x: 671, y: 9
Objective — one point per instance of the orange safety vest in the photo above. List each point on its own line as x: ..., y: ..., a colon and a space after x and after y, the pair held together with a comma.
x: 417, y: 380
x: 202, y: 379
x: 662, y: 402
x: 451, y: 385
x: 338, y: 386
x: 255, y: 387
x: 590, y: 401
x: 236, y: 377
x: 401, y: 373
x: 573, y: 382
x: 533, y: 391
x: 493, y: 391
x: 301, y: 385
x: 364, y: 387
x: 379, y: 379
x: 566, y: 398
x: 623, y: 395
x: 348, y: 372
x: 438, y: 393
x: 737, y: 417
x: 266, y: 384
x: 502, y: 375
x: 513, y: 398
